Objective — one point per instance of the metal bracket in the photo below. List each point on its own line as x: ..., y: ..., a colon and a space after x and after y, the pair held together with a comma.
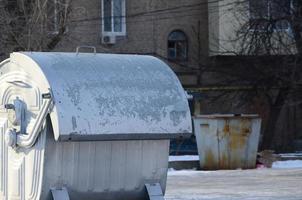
x: 46, y: 96
x: 154, y: 191
x: 59, y: 193
x: 9, y: 106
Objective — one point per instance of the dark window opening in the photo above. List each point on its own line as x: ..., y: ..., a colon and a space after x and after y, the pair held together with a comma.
x: 113, y: 16
x: 177, y: 46
x: 107, y: 15
x: 269, y: 14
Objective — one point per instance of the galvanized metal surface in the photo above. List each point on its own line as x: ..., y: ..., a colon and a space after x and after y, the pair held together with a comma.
x: 89, y: 170
x: 227, y: 141
x: 102, y: 94
x: 94, y: 97
x: 105, y: 169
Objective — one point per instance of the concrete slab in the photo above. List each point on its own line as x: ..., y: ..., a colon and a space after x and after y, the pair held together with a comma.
x: 257, y: 184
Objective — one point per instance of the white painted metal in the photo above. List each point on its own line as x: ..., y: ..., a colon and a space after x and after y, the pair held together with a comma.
x: 227, y: 141
x: 22, y: 138
x: 28, y: 139
x: 117, y: 113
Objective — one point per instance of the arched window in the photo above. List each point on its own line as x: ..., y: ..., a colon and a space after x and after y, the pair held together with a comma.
x: 177, y: 46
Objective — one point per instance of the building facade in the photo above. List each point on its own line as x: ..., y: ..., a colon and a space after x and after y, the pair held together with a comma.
x: 196, y: 38
x: 172, y: 30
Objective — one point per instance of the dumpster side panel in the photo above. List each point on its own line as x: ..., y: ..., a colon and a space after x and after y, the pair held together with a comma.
x: 239, y: 134
x: 253, y: 143
x: 206, y: 137
x: 237, y: 143
x: 227, y: 142
x: 112, y: 169
x: 223, y: 144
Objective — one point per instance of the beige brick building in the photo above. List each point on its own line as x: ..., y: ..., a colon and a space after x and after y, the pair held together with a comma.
x: 174, y: 30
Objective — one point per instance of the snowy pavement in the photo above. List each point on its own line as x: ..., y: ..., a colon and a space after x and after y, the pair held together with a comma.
x: 183, y: 158
x: 288, y: 164
x: 257, y: 184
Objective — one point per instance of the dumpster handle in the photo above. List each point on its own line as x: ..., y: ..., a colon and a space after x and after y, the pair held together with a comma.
x: 87, y: 47
x: 27, y: 140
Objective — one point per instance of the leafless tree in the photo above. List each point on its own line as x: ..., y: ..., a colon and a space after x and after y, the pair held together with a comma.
x: 32, y: 25
x: 268, y: 58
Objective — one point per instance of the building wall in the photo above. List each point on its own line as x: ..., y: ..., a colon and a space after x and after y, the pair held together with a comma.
x: 148, y: 24
x: 230, y: 34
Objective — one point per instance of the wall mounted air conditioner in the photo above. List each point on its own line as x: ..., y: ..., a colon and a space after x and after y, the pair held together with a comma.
x: 108, y: 39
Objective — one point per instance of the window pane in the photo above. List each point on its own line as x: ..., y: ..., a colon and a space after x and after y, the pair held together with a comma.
x: 171, y: 44
x: 171, y: 50
x: 171, y: 53
x: 283, y: 24
x: 107, y: 15
x: 181, y: 50
x: 280, y: 10
x: 177, y: 46
x: 259, y: 14
x: 177, y: 36
x: 258, y: 9
x: 118, y: 15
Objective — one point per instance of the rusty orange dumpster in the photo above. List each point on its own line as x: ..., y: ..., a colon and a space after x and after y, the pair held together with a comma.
x: 227, y: 141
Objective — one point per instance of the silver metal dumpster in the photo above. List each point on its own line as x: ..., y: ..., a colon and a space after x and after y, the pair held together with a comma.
x: 87, y: 126
x: 227, y: 141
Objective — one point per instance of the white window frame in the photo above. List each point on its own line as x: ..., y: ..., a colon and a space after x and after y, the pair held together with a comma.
x: 185, y: 48
x: 112, y: 33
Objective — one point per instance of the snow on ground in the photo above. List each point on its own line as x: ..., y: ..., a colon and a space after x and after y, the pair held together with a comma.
x: 288, y: 164
x: 277, y: 164
x: 184, y: 158
x: 288, y: 155
x: 192, y: 172
x: 282, y: 182
x: 255, y: 184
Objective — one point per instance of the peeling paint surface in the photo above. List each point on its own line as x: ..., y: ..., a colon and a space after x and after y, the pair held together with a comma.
x: 97, y: 94
x: 227, y: 142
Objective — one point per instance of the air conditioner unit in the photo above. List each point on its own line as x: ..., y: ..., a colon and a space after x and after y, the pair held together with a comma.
x: 108, y: 40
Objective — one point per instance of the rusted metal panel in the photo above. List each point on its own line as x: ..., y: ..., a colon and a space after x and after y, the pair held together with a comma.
x: 227, y: 141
